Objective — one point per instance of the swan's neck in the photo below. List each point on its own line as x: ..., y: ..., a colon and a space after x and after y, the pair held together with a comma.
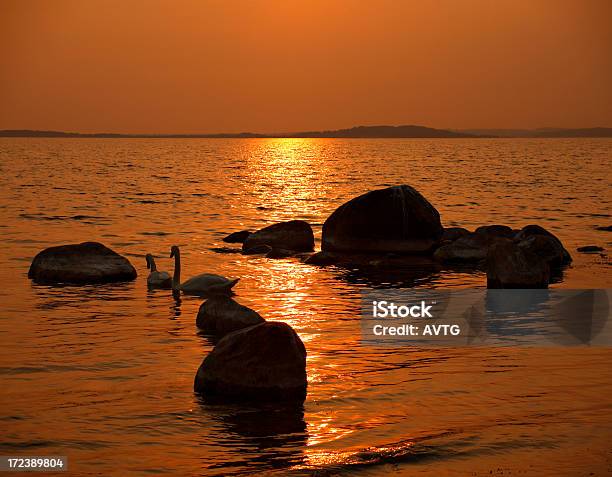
x: 152, y: 265
x: 176, y: 280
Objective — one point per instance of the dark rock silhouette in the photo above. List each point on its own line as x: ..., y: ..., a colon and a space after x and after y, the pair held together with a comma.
x: 237, y: 237
x: 451, y: 234
x: 548, y: 248
x: 604, y: 228
x: 590, y: 249
x: 495, y: 231
x: 261, y: 249
x: 293, y: 235
x: 535, y: 230
x: 220, y: 315
x: 511, y: 266
x: 265, y: 362
x: 322, y: 259
x: 396, y: 219
x: 87, y: 262
x: 472, y: 247
x: 280, y: 253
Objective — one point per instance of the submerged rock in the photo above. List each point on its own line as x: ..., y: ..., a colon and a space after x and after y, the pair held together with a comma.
x: 87, y: 262
x: 237, y: 237
x: 280, y: 253
x: 322, y: 259
x: 396, y: 219
x: 512, y: 266
x: 220, y: 315
x: 590, y: 249
x: 257, y: 250
x: 293, y: 235
x: 265, y: 362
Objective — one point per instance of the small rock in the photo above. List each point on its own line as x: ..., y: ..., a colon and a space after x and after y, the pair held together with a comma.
x: 605, y: 228
x: 225, y: 250
x: 495, y: 231
x: 294, y: 235
x: 84, y: 263
x: 237, y: 237
x: 258, y: 250
x: 265, y: 362
x: 512, y: 266
x: 322, y: 259
x: 469, y: 248
x: 451, y: 234
x: 590, y: 249
x: 279, y: 253
x: 220, y: 315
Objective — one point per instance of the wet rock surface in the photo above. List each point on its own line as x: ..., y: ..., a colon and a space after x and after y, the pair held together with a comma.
x: 295, y: 235
x: 220, y: 315
x: 84, y: 263
x: 265, y: 362
x: 396, y: 219
x: 511, y: 266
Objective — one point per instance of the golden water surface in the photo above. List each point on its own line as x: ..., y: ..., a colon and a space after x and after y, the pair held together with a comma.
x: 104, y: 374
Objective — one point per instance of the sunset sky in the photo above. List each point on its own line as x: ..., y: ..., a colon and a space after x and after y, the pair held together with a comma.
x: 277, y: 66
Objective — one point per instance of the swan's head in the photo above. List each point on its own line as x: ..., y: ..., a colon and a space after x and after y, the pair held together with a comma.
x: 174, y: 251
x: 149, y: 259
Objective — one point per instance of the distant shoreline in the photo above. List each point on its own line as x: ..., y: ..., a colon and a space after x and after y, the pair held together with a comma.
x: 359, y: 132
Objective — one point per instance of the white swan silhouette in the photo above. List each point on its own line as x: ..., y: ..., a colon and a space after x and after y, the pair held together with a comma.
x: 157, y: 279
x: 203, y: 284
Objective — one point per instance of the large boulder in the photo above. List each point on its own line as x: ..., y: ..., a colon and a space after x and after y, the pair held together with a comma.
x: 293, y: 235
x: 220, y: 315
x: 265, y: 362
x: 83, y: 263
x: 396, y: 219
x: 512, y: 266
x: 555, y: 247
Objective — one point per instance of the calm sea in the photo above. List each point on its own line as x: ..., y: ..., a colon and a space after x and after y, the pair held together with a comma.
x: 104, y: 374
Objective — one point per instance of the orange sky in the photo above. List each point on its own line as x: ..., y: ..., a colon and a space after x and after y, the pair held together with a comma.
x: 202, y: 66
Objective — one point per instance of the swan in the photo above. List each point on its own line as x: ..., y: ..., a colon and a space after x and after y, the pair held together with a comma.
x: 157, y: 279
x: 205, y: 283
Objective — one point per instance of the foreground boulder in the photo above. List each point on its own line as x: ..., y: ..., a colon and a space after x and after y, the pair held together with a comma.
x: 295, y: 235
x: 87, y: 262
x: 512, y: 266
x: 396, y: 219
x: 265, y: 362
x: 220, y: 315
